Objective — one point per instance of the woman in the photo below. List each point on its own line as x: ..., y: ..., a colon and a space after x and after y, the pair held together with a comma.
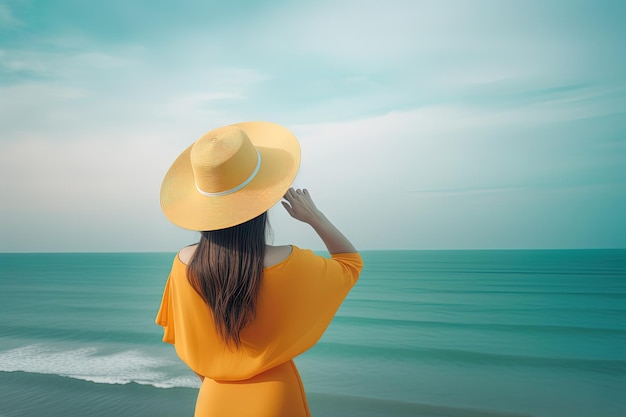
x: 237, y: 310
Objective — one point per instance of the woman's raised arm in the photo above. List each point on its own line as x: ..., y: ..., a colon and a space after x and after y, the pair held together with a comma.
x: 301, y: 207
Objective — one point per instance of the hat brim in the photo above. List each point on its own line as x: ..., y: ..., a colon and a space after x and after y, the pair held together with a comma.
x: 184, y: 206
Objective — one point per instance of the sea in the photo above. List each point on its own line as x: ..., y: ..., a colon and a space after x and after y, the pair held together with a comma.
x: 493, y: 333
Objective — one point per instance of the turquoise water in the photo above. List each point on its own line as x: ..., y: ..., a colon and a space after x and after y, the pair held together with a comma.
x: 446, y: 333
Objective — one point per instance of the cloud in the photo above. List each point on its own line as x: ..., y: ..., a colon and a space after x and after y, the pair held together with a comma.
x: 66, y: 65
x: 467, y: 147
x: 88, y: 174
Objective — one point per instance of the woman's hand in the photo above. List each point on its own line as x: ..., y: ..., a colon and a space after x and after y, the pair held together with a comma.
x: 301, y: 207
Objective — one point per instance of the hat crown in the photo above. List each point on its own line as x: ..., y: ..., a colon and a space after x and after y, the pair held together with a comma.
x: 222, y: 160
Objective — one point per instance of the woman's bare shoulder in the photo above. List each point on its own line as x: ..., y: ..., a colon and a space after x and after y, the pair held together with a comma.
x: 186, y: 253
x: 276, y: 254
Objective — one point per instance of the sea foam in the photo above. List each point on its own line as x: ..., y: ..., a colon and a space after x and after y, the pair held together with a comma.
x: 88, y: 364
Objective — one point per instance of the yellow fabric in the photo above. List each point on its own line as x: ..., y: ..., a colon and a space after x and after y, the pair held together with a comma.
x: 297, y: 300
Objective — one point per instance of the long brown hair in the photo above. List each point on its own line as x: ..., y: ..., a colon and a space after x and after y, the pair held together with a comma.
x: 226, y: 271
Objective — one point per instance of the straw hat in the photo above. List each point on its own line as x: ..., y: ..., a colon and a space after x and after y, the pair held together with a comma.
x: 230, y: 175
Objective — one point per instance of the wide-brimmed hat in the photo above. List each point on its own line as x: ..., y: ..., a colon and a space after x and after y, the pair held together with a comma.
x: 230, y: 175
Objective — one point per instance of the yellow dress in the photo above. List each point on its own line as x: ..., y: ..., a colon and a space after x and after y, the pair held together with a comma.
x: 297, y: 300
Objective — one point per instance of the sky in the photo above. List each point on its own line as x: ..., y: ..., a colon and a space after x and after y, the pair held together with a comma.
x: 423, y: 124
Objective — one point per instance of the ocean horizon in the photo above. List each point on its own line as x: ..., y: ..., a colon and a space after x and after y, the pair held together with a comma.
x: 484, y: 332
x: 325, y: 252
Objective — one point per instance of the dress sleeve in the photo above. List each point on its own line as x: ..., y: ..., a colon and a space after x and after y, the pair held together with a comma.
x: 351, y: 264
x: 298, y: 301
x: 165, y: 316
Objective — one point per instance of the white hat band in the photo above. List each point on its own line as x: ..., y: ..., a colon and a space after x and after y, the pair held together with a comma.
x: 240, y: 186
